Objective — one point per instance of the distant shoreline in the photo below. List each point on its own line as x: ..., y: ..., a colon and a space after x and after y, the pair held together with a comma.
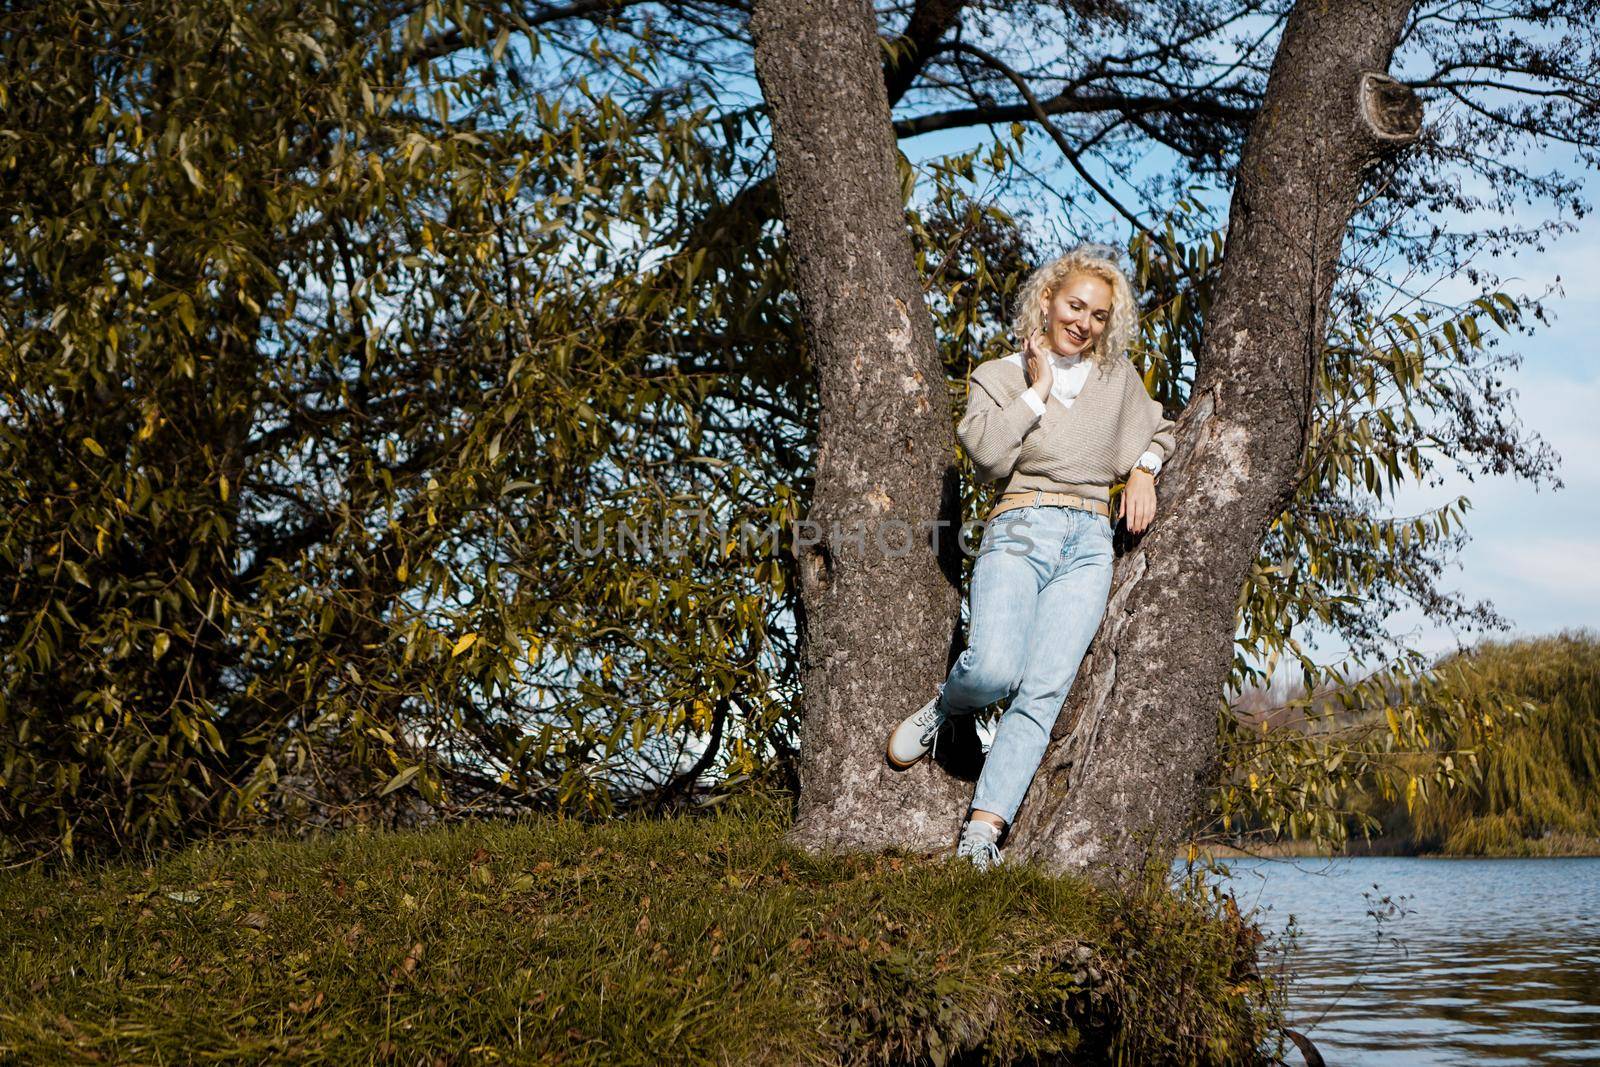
x: 1555, y: 846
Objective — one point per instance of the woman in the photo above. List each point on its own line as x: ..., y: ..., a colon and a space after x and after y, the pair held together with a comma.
x: 1062, y: 420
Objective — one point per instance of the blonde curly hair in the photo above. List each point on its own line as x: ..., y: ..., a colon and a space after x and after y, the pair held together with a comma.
x: 1099, y: 261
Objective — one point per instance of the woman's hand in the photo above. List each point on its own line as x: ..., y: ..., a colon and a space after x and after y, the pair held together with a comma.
x: 1138, y: 507
x: 1041, y: 370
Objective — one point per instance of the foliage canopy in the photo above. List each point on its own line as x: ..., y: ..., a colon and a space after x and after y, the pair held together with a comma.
x: 335, y: 337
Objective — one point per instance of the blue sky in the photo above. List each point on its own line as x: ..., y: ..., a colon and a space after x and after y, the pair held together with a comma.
x: 1536, y: 553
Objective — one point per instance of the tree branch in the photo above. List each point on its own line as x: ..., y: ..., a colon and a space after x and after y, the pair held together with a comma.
x: 1063, y: 104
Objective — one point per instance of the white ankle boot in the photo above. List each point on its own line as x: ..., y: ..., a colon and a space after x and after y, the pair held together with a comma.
x: 914, y: 737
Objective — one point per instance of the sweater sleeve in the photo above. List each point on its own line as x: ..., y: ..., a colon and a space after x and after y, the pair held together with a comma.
x: 1157, y: 427
x: 992, y: 431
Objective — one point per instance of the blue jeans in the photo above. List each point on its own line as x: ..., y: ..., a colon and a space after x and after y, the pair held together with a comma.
x: 1039, y: 589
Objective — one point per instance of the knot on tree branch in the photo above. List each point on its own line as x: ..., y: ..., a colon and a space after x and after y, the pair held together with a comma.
x: 1390, y: 112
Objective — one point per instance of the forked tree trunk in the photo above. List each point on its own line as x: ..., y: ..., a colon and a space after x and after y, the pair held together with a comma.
x: 1124, y: 785
x: 877, y: 623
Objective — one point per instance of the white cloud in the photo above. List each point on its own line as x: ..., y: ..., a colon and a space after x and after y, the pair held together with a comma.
x: 1564, y: 569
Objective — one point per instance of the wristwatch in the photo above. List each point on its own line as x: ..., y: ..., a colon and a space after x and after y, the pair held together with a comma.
x: 1141, y: 466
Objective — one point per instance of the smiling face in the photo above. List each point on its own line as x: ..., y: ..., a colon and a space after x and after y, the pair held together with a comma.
x: 1077, y: 313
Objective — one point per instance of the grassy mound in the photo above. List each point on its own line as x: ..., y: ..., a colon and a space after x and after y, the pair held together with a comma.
x: 682, y: 941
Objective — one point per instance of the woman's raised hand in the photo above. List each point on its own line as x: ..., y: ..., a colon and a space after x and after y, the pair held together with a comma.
x: 1041, y: 370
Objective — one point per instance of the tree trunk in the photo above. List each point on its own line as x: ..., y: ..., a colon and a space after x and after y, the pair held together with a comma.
x: 877, y: 618
x: 1135, y: 753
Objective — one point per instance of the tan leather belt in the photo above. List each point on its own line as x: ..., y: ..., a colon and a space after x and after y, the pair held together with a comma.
x: 1038, y: 496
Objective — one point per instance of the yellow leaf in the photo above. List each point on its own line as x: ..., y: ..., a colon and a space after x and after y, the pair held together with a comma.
x: 222, y: 487
x: 464, y: 642
x: 94, y: 446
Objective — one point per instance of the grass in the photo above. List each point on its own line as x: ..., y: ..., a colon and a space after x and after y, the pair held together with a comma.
x: 691, y: 940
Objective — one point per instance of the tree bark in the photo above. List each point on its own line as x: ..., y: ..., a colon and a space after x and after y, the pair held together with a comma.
x: 1136, y: 748
x: 877, y: 621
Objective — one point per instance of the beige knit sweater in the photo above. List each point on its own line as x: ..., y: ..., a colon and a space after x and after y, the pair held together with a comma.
x: 1080, y: 449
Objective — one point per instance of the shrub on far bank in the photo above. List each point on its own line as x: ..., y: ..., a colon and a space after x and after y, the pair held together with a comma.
x: 1506, y: 762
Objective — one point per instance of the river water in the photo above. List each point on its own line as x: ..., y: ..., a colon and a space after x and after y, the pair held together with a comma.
x: 1408, y: 962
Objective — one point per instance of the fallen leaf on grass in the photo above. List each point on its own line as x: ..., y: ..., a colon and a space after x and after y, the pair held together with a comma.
x: 409, y: 964
x: 309, y: 1004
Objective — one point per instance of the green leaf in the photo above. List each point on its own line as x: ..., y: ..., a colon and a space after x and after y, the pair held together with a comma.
x: 400, y: 780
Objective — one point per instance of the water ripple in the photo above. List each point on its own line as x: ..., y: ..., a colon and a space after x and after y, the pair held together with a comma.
x: 1419, y: 962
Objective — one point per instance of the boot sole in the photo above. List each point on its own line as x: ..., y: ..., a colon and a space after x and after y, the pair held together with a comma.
x: 896, y: 764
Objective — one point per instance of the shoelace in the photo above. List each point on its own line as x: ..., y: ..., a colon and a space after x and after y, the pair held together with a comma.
x: 934, y: 752
x: 984, y: 854
x: 936, y: 721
